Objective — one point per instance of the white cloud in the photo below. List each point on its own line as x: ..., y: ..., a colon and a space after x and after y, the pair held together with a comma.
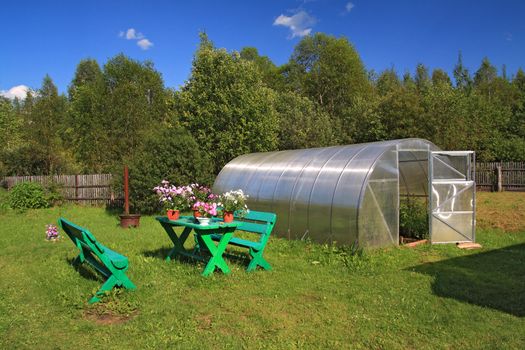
x: 349, y: 6
x: 299, y: 24
x: 19, y: 91
x: 132, y: 34
x: 144, y: 44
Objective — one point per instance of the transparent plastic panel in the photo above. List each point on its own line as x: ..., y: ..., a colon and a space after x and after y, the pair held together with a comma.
x: 284, y: 188
x: 378, y: 215
x: 300, y: 198
x: 320, y: 203
x: 413, y: 169
x: 450, y: 167
x: 345, y: 206
x: 452, y: 197
x: 452, y: 228
x: 268, y: 179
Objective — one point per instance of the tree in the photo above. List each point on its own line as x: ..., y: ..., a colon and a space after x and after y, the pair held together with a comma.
x: 302, y: 124
x: 167, y: 154
x: 226, y: 105
x: 462, y: 75
x: 421, y: 78
x: 135, y: 103
x: 329, y: 71
x: 89, y: 127
x: 45, y: 121
x: 440, y: 77
x: 271, y: 74
x: 387, y: 81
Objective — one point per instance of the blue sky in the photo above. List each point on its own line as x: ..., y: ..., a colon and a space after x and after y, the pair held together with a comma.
x: 51, y: 37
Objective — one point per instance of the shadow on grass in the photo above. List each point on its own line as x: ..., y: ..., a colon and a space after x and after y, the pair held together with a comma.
x: 162, y: 253
x: 495, y: 279
x: 84, y: 270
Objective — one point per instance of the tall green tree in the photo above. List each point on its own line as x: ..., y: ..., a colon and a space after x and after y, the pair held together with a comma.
x: 45, y: 126
x: 462, y: 75
x: 88, y: 124
x: 226, y: 106
x: 329, y: 71
x: 135, y: 103
x: 422, y: 78
x: 302, y: 123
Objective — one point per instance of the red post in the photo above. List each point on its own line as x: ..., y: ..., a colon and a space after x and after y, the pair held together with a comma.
x: 126, y: 190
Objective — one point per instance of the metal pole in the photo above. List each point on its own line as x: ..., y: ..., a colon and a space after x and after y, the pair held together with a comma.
x: 126, y: 190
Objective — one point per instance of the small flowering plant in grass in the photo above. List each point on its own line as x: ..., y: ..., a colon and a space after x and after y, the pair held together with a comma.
x: 206, y: 209
x: 52, y: 233
x: 234, y: 201
x: 172, y: 197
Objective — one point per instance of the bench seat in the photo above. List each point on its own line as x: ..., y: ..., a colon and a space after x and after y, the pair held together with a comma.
x: 108, y: 262
x: 239, y: 242
x: 257, y: 222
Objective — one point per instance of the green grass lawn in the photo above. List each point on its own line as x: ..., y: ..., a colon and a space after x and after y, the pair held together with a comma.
x: 436, y: 297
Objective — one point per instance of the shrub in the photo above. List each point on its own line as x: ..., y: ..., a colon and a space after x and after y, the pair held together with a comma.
x: 413, y: 218
x: 170, y: 154
x: 28, y: 195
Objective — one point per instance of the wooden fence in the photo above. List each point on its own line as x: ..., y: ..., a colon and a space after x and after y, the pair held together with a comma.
x: 500, y: 176
x: 92, y: 189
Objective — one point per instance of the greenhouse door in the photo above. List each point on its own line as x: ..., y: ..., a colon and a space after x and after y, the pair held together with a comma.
x: 452, y: 197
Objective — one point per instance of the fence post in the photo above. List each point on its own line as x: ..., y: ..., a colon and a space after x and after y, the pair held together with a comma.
x: 76, y: 188
x: 499, y: 178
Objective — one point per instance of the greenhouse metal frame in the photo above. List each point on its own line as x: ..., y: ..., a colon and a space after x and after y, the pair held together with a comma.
x: 343, y: 194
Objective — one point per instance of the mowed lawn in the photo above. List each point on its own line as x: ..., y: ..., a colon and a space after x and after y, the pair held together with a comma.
x: 429, y: 297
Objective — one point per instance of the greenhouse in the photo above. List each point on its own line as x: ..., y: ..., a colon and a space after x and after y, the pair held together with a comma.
x: 351, y: 193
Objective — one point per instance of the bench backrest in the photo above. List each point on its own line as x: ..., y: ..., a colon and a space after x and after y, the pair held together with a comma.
x: 80, y: 236
x: 257, y: 222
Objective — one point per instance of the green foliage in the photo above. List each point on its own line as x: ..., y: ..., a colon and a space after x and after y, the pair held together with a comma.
x: 226, y: 106
x: 302, y: 123
x: 28, y: 195
x: 413, y: 218
x: 167, y: 154
x: 329, y: 71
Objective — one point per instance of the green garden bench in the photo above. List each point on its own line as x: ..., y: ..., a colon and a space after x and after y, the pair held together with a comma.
x: 258, y: 222
x: 106, y: 261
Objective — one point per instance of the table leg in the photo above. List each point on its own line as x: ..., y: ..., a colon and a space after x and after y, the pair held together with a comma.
x: 178, y: 241
x: 216, y: 252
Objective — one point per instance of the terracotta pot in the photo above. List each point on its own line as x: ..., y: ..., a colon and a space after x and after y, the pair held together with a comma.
x: 129, y: 220
x: 196, y: 214
x: 228, y: 216
x: 173, y: 214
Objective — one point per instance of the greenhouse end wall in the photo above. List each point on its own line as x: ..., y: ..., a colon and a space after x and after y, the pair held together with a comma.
x: 337, y: 194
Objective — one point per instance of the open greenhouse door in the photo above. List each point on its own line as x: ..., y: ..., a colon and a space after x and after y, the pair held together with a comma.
x: 452, y: 196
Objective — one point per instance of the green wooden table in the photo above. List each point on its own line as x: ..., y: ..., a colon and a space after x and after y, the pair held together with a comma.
x: 202, y: 235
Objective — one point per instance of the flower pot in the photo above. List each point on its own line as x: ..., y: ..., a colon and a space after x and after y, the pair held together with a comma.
x: 173, y: 214
x: 203, y: 220
x: 228, y: 216
x: 196, y: 214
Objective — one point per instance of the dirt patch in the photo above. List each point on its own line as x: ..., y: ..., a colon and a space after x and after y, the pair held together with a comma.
x: 204, y: 321
x: 108, y: 318
x: 504, y: 210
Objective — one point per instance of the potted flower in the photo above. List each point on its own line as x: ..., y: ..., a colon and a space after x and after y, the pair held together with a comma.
x: 233, y: 201
x: 206, y: 210
x: 199, y: 194
x: 173, y: 198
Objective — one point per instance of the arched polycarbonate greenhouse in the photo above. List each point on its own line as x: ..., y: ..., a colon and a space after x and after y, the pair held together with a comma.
x: 346, y: 193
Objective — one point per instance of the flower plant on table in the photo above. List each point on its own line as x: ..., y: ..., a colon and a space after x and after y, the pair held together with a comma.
x: 234, y: 201
x: 174, y: 198
x: 206, y: 209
